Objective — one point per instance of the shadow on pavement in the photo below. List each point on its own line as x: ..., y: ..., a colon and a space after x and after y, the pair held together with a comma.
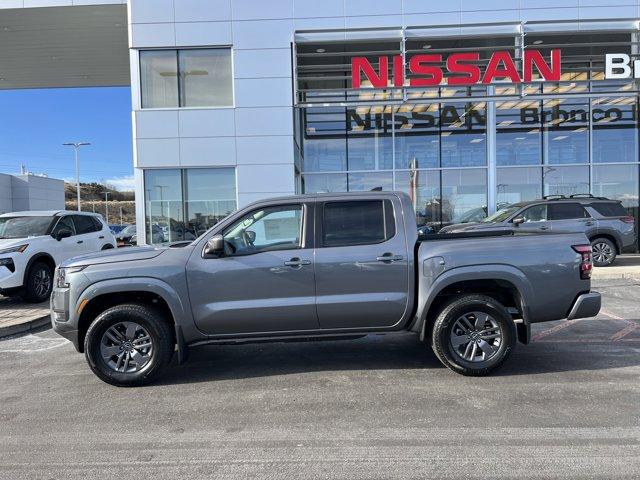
x: 393, y: 352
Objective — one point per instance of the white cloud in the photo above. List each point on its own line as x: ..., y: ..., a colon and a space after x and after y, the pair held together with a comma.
x: 122, y: 184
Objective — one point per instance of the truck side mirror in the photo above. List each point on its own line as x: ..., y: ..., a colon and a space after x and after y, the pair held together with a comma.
x: 215, y: 246
x: 517, y: 221
x: 63, y: 233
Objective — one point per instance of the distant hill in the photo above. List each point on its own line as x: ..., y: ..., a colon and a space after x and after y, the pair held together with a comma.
x: 121, y: 204
x: 95, y: 191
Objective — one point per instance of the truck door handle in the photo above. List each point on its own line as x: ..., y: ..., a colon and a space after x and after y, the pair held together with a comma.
x: 389, y: 257
x: 297, y: 262
x: 80, y: 241
x: 544, y: 228
x: 101, y: 237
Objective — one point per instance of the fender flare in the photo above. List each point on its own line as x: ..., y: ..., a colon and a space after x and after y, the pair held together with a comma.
x: 149, y: 285
x: 34, y: 258
x: 503, y: 272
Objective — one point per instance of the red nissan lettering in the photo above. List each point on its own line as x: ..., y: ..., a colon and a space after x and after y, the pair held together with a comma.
x: 471, y: 72
x: 361, y: 65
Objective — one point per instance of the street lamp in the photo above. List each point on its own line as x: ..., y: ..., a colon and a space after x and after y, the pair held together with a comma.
x: 76, y: 146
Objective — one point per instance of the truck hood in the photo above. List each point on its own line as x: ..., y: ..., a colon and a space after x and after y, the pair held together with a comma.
x: 126, y: 254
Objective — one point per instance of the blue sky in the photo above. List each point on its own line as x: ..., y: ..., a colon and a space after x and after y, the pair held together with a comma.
x: 34, y: 124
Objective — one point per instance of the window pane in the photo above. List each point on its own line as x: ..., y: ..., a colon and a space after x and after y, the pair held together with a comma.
x: 356, y: 223
x: 423, y: 186
x: 518, y: 134
x: 463, y: 137
x: 369, y: 140
x: 210, y: 196
x: 565, y: 180
x: 324, y: 183
x: 325, y: 142
x: 537, y: 213
x: 159, y: 78
x: 164, y: 219
x: 268, y: 229
x: 566, y: 131
x: 369, y: 181
x: 518, y: 185
x: 417, y: 136
x: 84, y: 224
x: 205, y: 76
x: 464, y: 195
x: 566, y: 211
x: 617, y: 182
x: 615, y: 130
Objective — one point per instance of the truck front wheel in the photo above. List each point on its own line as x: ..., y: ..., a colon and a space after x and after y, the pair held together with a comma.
x: 473, y: 335
x: 128, y: 345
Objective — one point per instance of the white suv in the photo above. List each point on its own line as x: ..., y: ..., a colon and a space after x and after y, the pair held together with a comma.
x: 32, y: 244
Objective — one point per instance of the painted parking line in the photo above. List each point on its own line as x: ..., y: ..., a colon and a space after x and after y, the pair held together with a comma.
x: 630, y: 327
x: 30, y: 344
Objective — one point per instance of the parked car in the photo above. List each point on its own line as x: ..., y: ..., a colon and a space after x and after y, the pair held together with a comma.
x: 115, y: 229
x: 33, y: 243
x: 323, y: 266
x: 128, y: 236
x: 606, y: 223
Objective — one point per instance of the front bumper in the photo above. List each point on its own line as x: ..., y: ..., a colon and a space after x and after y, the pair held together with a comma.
x: 586, y: 305
x: 12, y: 276
x: 60, y: 314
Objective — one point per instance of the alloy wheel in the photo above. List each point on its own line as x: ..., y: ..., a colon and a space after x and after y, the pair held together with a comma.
x: 42, y: 282
x: 126, y: 347
x: 476, y: 337
x: 602, y: 252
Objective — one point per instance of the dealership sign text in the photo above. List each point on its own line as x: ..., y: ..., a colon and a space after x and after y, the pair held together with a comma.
x: 459, y: 69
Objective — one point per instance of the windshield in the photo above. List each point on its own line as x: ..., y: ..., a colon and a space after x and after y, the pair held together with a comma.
x: 21, y: 227
x: 130, y: 230
x: 501, y: 215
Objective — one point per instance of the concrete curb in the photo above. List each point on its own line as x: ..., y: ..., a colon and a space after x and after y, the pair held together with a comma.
x: 25, y: 327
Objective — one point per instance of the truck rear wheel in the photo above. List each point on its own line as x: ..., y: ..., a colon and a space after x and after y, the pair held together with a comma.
x: 128, y: 345
x: 473, y: 335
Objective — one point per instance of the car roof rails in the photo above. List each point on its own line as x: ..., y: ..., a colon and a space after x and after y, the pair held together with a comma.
x: 553, y: 197
x: 376, y: 189
x: 581, y: 195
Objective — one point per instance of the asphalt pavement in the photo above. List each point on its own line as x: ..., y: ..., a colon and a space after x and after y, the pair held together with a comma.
x: 566, y: 406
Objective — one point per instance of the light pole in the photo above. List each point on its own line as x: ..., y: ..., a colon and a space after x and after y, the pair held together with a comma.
x: 76, y: 146
x: 106, y: 206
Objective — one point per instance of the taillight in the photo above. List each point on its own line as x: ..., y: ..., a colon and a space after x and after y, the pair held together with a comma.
x: 586, y: 265
x: 628, y: 219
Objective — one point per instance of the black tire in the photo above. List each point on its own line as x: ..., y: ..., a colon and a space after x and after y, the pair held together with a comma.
x: 158, y: 329
x: 604, y: 252
x: 442, y: 342
x: 108, y: 246
x: 39, y: 283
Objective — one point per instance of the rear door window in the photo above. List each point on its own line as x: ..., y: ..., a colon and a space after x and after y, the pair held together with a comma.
x: 566, y: 211
x: 359, y: 222
x: 610, y: 209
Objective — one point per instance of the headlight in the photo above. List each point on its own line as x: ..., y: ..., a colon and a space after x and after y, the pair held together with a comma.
x: 16, y: 249
x: 61, y: 277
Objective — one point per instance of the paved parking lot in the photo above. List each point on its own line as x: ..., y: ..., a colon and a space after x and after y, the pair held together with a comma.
x: 566, y: 406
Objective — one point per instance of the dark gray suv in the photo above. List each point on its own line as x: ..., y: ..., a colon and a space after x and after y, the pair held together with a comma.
x: 605, y: 222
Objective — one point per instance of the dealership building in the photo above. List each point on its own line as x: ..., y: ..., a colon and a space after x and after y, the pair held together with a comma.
x: 466, y: 105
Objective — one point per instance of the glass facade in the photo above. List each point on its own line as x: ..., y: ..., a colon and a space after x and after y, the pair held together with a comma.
x: 181, y: 204
x: 463, y: 151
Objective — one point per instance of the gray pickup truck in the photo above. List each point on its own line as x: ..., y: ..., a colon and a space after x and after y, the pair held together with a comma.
x: 323, y: 267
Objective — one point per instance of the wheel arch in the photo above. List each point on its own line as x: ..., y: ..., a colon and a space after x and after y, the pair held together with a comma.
x: 505, y: 284
x: 38, y: 257
x: 103, y: 295
x: 609, y: 236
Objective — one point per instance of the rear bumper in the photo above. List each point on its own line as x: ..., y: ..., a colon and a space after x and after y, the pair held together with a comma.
x: 586, y: 305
